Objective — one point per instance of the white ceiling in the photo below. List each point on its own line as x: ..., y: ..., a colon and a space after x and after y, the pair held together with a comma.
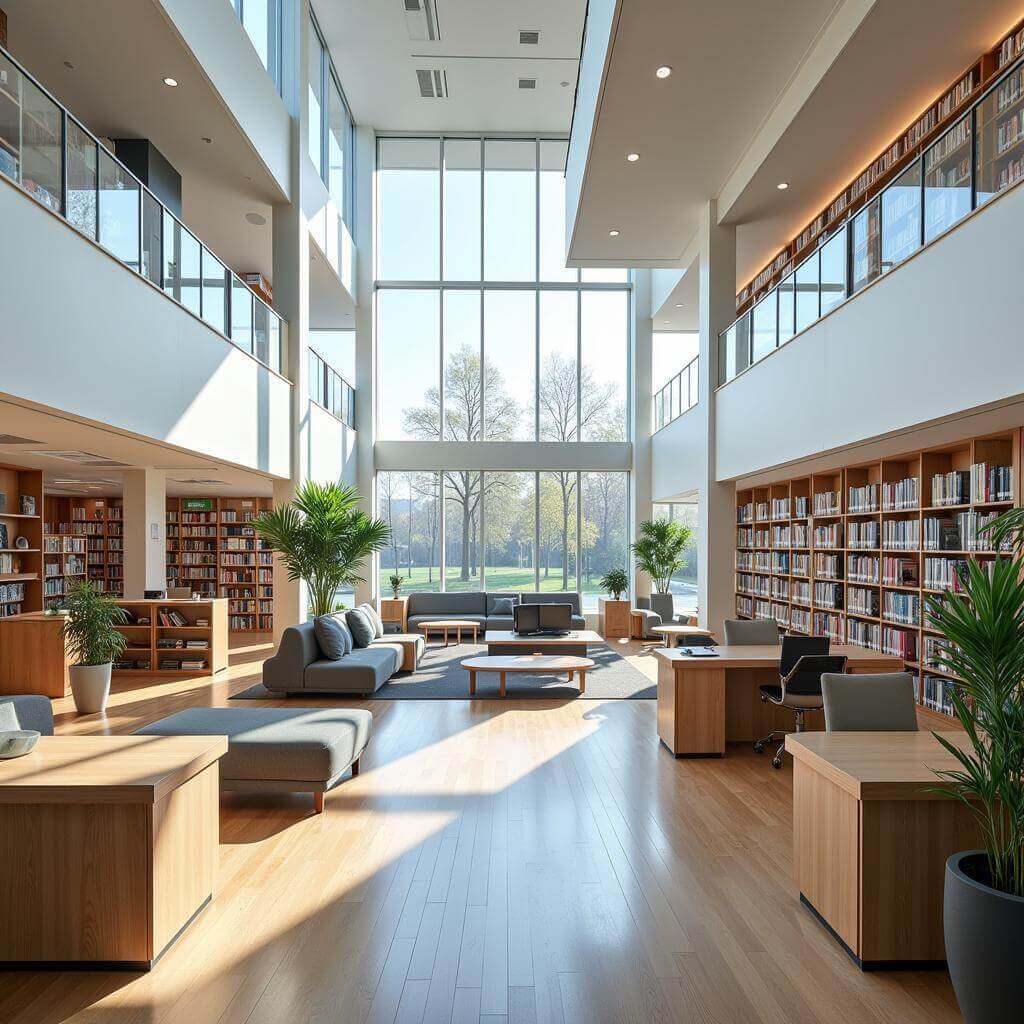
x: 480, y: 53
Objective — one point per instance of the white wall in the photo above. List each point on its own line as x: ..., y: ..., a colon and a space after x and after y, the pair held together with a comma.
x: 83, y: 334
x: 332, y: 448
x: 677, y: 455
x: 939, y: 335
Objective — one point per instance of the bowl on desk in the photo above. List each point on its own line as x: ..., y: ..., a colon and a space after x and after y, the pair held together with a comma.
x: 17, y: 742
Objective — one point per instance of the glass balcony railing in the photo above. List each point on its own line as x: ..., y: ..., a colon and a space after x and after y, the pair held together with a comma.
x: 979, y: 157
x: 331, y: 391
x: 62, y: 165
x: 679, y: 394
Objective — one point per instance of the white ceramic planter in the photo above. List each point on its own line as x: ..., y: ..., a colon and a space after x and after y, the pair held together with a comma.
x: 90, y: 685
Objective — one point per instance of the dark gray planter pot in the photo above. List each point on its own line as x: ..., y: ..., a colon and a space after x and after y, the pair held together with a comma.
x: 984, y: 931
x: 663, y: 605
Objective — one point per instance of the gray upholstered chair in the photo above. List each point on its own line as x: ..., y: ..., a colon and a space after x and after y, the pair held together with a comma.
x: 869, y: 703
x: 751, y: 631
x: 32, y: 712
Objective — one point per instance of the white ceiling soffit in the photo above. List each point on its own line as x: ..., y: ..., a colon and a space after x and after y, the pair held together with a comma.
x: 381, y: 46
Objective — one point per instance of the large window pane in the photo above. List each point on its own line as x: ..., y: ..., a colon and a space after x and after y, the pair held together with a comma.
x: 604, y: 275
x: 82, y: 178
x: 409, y: 210
x: 463, y: 398
x: 552, y: 212
x: 315, y: 98
x: 41, y: 140
x: 765, y: 328
x: 409, y: 365
x: 339, y: 132
x: 604, y: 532
x: 241, y: 315
x: 901, y: 217
x: 509, y: 358
x: 510, y: 193
x: 558, y: 385
x: 787, y: 309
x: 509, y: 517
x: 462, y: 512
x: 409, y: 503
x: 947, y: 180
x: 119, y: 211
x: 866, y: 256
x: 604, y: 347
x: 261, y: 331
x: 558, y: 517
x: 215, y: 292
x: 833, y: 271
x: 152, y: 237
x: 807, y: 293
x: 1000, y: 140
x: 181, y: 264
x: 462, y: 183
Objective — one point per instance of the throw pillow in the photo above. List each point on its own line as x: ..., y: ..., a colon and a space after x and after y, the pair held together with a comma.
x: 360, y: 626
x: 333, y: 636
x: 503, y: 606
x: 371, y: 613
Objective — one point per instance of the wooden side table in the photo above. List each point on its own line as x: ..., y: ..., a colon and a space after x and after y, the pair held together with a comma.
x: 395, y: 609
x: 613, y: 618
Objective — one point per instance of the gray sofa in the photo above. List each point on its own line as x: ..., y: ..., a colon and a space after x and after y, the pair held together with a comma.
x: 478, y: 606
x: 31, y: 712
x: 300, y: 667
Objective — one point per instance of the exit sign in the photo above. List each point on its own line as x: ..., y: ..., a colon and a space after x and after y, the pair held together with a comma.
x: 197, y: 504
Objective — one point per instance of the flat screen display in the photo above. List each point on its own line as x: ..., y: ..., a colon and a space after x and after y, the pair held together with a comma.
x: 555, y: 616
x: 526, y: 618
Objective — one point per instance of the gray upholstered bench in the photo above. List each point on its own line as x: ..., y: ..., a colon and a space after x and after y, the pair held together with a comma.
x: 278, y: 750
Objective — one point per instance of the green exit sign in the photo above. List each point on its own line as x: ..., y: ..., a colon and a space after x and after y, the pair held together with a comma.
x: 197, y: 504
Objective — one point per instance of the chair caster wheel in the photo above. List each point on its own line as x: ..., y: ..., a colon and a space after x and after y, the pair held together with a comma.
x: 758, y: 747
x: 776, y: 762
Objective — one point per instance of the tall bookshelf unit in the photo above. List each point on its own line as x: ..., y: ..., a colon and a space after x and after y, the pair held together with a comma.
x: 21, y: 568
x: 213, y: 548
x: 83, y: 538
x: 852, y: 553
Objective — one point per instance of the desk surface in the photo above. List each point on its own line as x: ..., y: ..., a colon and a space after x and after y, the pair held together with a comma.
x: 878, y: 765
x: 767, y: 656
x: 106, y: 769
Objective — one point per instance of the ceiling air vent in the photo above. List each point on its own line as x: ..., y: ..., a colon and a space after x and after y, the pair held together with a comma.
x: 529, y: 37
x: 527, y: 83
x: 14, y: 439
x: 81, y: 458
x: 421, y: 20
x: 197, y: 481
x: 433, y: 84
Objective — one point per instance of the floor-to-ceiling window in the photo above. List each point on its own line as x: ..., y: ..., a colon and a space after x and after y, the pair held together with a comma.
x: 684, y: 582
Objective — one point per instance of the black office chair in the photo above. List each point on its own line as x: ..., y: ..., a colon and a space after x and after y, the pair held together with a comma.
x: 802, y: 662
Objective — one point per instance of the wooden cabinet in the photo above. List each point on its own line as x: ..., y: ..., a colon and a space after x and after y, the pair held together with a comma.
x: 613, y: 618
x: 33, y: 655
x: 396, y: 610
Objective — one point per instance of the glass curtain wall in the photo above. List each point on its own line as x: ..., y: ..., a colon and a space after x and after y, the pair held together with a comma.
x: 261, y: 20
x: 683, y: 585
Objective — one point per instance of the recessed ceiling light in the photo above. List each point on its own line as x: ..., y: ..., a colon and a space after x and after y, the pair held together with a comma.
x: 667, y: 321
x: 207, y: 140
x: 663, y: 72
x: 172, y: 82
x: 614, y: 233
x: 679, y: 305
x: 564, y: 85
x: 256, y: 218
x: 782, y: 186
x: 69, y: 65
x: 632, y: 157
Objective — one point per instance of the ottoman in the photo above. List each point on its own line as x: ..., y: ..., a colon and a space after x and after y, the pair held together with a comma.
x: 274, y: 750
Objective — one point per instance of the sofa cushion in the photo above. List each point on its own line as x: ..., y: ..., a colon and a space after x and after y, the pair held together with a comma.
x: 276, y: 744
x: 460, y: 605
x: 333, y: 636
x: 361, y: 627
x: 500, y: 622
x: 494, y: 598
x: 503, y: 606
x: 364, y: 670
x: 371, y: 613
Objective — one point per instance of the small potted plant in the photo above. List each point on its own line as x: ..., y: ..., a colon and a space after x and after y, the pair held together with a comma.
x: 616, y: 582
x: 93, y: 644
x: 396, y: 585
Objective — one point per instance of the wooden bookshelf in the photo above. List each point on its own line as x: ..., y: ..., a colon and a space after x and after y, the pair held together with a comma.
x: 198, y: 629
x: 213, y: 548
x: 854, y: 552
x: 83, y: 538
x: 21, y: 568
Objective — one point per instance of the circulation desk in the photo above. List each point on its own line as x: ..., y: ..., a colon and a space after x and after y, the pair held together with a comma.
x: 871, y: 839
x: 704, y: 703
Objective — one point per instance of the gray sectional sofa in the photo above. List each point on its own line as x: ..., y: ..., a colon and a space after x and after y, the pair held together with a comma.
x: 478, y: 606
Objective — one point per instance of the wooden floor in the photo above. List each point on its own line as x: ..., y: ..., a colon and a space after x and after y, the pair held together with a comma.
x: 494, y: 861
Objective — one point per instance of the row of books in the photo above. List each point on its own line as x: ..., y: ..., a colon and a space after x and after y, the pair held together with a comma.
x: 745, y: 513
x: 901, y: 494
x: 166, y: 643
x: 937, y: 694
x: 781, y: 536
x: 862, y: 534
x: 829, y: 624
x: 745, y: 607
x: 12, y: 592
x: 780, y: 508
x: 899, y: 572
x: 10, y: 564
x: 991, y: 483
x: 934, y: 651
x: 826, y: 503
x: 901, y: 606
x: 901, y: 534
x: 800, y: 592
x: 261, y: 623
x: 862, y: 568
x: 952, y: 488
x: 827, y: 567
x: 828, y: 535
x: 744, y: 537
x: 863, y: 499
x: 800, y: 620
x: 800, y: 535
x: 801, y: 564
x: 762, y: 511
x: 864, y: 634
x: 183, y: 664
x: 943, y: 573
x: 899, y: 642
x: 779, y: 590
x: 861, y: 601
x: 828, y: 595
x: 800, y: 504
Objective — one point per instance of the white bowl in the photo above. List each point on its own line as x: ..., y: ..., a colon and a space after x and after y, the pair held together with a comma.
x: 17, y: 742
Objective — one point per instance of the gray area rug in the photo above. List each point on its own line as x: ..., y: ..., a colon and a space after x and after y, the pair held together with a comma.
x: 442, y: 677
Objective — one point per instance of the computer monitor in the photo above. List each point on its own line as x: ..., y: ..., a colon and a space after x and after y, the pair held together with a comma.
x: 555, y: 618
x: 526, y: 618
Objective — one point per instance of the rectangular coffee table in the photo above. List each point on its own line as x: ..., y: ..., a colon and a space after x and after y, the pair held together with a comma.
x: 108, y: 848
x: 573, y: 644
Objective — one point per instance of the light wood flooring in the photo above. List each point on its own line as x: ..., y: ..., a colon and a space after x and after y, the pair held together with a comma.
x: 495, y: 861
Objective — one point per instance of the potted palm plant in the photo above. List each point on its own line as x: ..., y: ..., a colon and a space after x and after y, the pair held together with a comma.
x: 323, y: 537
x: 658, y: 550
x: 983, y: 917
x: 93, y: 643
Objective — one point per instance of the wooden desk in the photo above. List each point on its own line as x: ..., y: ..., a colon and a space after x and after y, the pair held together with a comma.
x: 704, y: 703
x: 870, y: 841
x: 108, y: 848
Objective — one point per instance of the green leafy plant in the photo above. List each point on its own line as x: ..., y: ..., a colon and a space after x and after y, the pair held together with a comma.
x: 396, y: 582
x: 89, y: 632
x: 984, y: 624
x: 659, y: 550
x: 323, y: 537
x: 616, y: 582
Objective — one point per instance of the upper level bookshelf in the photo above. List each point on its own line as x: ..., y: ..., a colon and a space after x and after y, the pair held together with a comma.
x: 999, y: 162
x: 853, y: 553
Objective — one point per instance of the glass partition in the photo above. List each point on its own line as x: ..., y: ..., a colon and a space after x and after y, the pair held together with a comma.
x: 901, y: 217
x: 241, y: 315
x: 339, y: 135
x: 765, y: 326
x: 510, y: 197
x: 152, y: 238
x: 787, y: 308
x: 676, y: 396
x: 999, y: 143
x: 461, y: 183
x: 119, y: 211
x: 833, y: 271
x: 31, y: 137
x: 83, y: 178
x: 215, y: 292
x: 807, y: 307
x: 947, y: 180
x: 866, y: 246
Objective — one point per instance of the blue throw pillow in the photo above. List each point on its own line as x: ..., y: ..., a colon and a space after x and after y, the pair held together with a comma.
x: 333, y: 636
x: 360, y: 626
x: 503, y: 606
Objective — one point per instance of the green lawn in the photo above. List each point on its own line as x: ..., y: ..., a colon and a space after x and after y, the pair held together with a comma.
x: 498, y: 578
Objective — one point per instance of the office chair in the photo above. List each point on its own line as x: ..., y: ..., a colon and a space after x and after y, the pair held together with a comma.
x: 869, y: 703
x: 751, y: 631
x: 801, y: 665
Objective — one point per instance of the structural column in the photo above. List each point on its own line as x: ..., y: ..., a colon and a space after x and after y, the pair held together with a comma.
x: 145, y: 533
x: 641, y: 343
x: 716, y: 533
